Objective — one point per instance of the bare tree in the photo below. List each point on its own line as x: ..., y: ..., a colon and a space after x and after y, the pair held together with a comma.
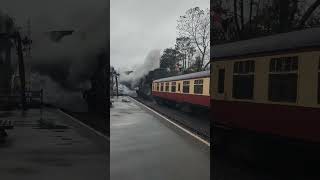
x: 244, y: 19
x: 308, y: 13
x: 250, y: 12
x: 195, y: 25
x: 241, y: 14
x: 187, y: 50
x: 235, y: 16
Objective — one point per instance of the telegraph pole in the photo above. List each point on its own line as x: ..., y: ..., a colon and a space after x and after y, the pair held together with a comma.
x: 17, y: 38
x: 117, y: 85
x: 28, y: 52
x: 21, y: 70
x: 112, y: 83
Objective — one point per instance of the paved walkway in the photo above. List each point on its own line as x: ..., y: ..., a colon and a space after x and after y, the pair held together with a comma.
x: 144, y: 146
x: 55, y: 149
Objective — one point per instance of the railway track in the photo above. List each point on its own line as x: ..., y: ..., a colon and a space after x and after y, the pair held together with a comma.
x: 199, y: 129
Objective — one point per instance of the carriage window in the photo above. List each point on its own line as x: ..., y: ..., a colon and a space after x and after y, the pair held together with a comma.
x: 167, y: 87
x: 243, y: 79
x: 186, y: 85
x: 158, y: 85
x: 319, y: 82
x: 161, y: 88
x: 283, y: 78
x: 221, y: 81
x: 173, y: 87
x: 198, y: 86
x: 179, y: 87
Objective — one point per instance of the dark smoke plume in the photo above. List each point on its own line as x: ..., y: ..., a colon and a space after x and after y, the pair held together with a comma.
x: 64, y: 63
x: 57, y: 36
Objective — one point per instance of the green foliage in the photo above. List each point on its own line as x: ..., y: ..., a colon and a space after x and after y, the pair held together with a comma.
x: 170, y: 58
x: 197, y: 66
x: 253, y: 18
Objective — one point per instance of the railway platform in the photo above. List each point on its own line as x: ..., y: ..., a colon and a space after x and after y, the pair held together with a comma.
x: 56, y: 147
x: 145, y: 145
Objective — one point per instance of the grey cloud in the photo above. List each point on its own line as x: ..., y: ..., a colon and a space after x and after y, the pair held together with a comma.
x: 75, y: 57
x: 140, y: 26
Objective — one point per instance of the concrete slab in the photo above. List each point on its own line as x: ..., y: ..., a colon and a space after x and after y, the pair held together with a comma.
x: 57, y: 148
x: 144, y: 146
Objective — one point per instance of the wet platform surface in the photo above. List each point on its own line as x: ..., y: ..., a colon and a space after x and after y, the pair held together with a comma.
x: 54, y: 148
x: 198, y: 120
x: 144, y: 146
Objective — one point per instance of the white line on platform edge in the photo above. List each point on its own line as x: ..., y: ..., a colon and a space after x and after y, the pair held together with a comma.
x: 97, y: 132
x: 177, y: 125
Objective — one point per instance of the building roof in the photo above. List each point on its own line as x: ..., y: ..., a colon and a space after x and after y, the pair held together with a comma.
x: 185, y: 76
x: 295, y: 40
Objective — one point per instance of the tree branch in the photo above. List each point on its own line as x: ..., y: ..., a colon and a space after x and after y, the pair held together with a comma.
x: 308, y: 13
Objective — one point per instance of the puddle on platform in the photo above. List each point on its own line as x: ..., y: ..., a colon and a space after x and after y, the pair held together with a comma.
x: 22, y: 171
x: 5, y: 114
x: 45, y: 124
x: 63, y: 164
x: 5, y: 142
x: 125, y: 112
x: 64, y: 144
x: 53, y: 161
x: 66, y: 138
x: 59, y: 131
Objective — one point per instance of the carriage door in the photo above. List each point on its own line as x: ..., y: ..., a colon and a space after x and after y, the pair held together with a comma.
x: 221, y: 77
x: 219, y: 91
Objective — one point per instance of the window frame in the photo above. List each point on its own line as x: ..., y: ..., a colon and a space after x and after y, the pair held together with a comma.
x: 186, y: 83
x: 173, y: 87
x: 167, y: 87
x: 161, y: 87
x: 197, y: 84
x: 279, y: 66
x: 244, y: 69
x: 319, y: 80
x: 221, y: 82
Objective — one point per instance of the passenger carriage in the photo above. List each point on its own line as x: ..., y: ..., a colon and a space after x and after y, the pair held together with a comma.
x: 191, y: 89
x: 269, y: 85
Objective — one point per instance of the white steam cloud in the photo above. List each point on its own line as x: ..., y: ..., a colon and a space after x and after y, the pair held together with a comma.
x: 64, y: 68
x: 151, y: 62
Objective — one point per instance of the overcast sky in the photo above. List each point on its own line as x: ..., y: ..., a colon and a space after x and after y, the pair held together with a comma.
x: 52, y: 14
x: 140, y: 26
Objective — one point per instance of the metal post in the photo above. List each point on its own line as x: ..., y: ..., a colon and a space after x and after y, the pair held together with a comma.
x: 41, y: 103
x: 117, y: 84
x: 112, y: 83
x: 21, y: 71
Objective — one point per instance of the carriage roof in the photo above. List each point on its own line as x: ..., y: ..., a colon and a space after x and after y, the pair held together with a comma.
x: 273, y: 44
x: 185, y: 76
